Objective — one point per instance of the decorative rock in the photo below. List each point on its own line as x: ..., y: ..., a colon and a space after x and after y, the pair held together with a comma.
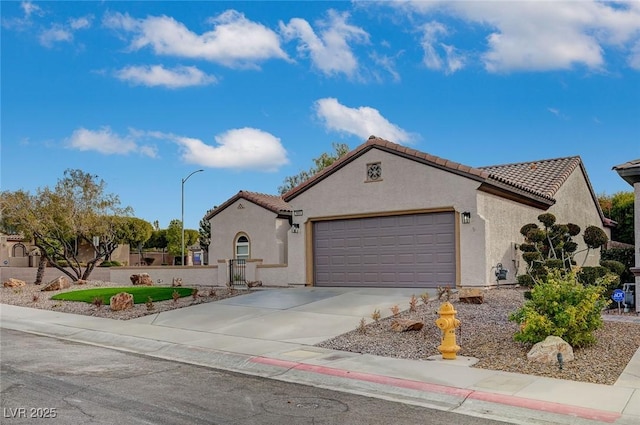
x: 13, y: 283
x: 254, y: 284
x: 547, y: 351
x: 121, y: 301
x: 177, y: 281
x: 471, y: 296
x: 57, y: 284
x: 405, y: 325
x: 81, y: 282
x: 141, y: 279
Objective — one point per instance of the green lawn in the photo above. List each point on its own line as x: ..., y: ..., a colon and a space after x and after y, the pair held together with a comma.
x: 140, y: 294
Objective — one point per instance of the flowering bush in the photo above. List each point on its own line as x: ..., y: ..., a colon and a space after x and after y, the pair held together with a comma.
x: 562, y: 306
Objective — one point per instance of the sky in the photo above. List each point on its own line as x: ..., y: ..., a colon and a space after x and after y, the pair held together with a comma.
x: 142, y: 94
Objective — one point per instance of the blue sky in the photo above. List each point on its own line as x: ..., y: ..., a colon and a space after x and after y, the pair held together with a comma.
x: 144, y: 93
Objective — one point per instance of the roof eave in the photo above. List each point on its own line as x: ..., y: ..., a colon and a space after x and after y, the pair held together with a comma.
x: 631, y: 175
x: 506, y: 191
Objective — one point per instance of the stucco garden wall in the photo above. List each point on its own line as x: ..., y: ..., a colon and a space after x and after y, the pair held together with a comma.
x: 405, y: 185
x: 258, y: 223
x: 198, y: 275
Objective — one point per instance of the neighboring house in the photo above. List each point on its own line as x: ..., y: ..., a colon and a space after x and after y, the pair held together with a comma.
x: 17, y: 251
x: 388, y: 215
x: 630, y: 172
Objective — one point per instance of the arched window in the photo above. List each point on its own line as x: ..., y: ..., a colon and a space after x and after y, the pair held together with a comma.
x: 19, y: 250
x: 243, y: 250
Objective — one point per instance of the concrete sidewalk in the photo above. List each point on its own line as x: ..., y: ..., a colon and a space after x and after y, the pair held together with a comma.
x: 271, y: 333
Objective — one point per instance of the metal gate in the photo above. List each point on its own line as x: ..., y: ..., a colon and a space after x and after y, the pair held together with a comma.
x: 237, y: 272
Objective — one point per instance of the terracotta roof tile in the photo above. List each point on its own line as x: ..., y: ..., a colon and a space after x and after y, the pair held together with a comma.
x: 631, y: 164
x: 390, y: 147
x: 273, y: 203
x: 542, y: 178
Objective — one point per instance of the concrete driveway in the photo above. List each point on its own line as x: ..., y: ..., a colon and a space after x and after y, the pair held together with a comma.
x: 290, y: 315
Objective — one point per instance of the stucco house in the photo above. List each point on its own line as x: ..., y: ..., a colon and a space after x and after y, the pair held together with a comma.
x: 630, y: 172
x: 388, y: 215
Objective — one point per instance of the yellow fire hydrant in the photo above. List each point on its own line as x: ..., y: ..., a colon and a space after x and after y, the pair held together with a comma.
x: 448, y: 323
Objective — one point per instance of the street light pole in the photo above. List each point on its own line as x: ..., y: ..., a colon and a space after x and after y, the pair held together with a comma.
x: 182, y: 220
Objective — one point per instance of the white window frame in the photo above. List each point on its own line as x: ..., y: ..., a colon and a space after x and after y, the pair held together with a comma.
x: 240, y: 244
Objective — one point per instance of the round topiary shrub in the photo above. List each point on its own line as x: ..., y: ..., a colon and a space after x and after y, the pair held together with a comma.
x: 547, y: 219
x: 574, y: 229
x: 614, y: 266
x: 595, y: 237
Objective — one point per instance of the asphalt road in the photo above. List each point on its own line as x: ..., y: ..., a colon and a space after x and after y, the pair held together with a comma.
x: 50, y: 381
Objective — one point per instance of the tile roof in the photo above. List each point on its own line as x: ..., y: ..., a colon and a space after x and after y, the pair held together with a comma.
x: 272, y: 203
x: 376, y: 142
x: 629, y: 171
x: 542, y: 178
x: 534, y: 183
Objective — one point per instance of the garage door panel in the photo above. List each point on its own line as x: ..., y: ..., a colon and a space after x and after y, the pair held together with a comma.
x: 415, y: 250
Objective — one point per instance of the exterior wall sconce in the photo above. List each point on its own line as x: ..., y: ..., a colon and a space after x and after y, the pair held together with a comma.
x: 466, y: 217
x: 295, y: 228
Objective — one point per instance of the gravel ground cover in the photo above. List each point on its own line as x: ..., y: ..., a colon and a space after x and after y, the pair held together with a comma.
x: 33, y: 296
x: 485, y: 332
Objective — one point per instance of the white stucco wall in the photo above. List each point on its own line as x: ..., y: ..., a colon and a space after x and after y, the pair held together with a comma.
x: 505, y: 218
x: 405, y: 185
x: 575, y: 204
x: 266, y: 233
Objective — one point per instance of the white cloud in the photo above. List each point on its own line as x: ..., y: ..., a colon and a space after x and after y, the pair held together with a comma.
x: 157, y: 75
x: 634, y: 56
x: 542, y: 35
x: 107, y: 142
x: 64, y: 33
x: 55, y: 34
x: 557, y: 113
x: 384, y: 63
x: 362, y: 122
x: 330, y: 51
x: 81, y: 23
x: 235, y: 41
x: 29, y: 8
x: 242, y: 148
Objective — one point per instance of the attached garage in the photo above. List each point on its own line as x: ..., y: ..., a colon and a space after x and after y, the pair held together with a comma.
x: 410, y: 250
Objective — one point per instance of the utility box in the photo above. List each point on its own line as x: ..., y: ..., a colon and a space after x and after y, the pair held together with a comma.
x: 629, y: 290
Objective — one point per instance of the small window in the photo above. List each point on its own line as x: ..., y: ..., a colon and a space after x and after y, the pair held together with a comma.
x: 374, y: 172
x: 242, y: 248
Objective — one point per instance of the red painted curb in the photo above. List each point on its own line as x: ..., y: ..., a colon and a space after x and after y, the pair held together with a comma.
x: 546, y: 406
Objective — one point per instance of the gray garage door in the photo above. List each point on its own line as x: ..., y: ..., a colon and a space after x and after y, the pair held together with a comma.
x: 416, y: 250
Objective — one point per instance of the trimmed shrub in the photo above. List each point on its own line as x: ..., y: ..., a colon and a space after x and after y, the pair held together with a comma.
x: 614, y: 266
x: 624, y: 255
x: 589, y: 275
x: 111, y: 264
x: 525, y: 280
x: 563, y: 307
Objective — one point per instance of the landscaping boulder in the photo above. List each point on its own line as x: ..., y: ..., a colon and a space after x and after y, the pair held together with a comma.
x: 405, y: 325
x: 57, y: 284
x: 81, y: 282
x: 471, y: 296
x: 547, y: 351
x: 254, y: 284
x: 177, y: 281
x: 13, y: 283
x: 141, y: 279
x: 121, y: 301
